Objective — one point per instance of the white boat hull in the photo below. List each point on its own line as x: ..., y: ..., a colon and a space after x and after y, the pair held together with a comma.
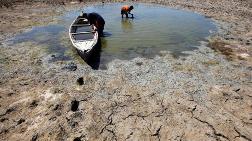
x: 83, y: 41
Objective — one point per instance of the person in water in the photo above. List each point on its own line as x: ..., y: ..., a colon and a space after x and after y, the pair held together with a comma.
x: 125, y: 10
x: 96, y: 21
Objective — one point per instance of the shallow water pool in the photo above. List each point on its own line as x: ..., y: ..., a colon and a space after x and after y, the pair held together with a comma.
x: 154, y: 28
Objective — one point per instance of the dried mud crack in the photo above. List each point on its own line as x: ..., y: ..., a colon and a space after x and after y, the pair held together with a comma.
x: 203, y: 96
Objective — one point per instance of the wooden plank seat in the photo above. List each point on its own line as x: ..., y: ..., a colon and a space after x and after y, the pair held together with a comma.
x: 81, y: 33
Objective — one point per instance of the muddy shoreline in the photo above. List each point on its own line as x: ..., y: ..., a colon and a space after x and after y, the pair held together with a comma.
x: 203, y: 96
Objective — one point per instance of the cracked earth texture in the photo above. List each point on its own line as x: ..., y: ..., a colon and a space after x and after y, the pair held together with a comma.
x: 203, y: 96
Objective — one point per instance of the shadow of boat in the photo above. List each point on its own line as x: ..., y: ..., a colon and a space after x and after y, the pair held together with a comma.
x: 93, y: 57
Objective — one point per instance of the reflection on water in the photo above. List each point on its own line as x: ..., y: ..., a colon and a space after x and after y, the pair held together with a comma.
x: 127, y: 25
x: 153, y: 29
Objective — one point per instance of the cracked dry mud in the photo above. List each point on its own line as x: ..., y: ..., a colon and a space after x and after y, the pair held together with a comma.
x: 161, y: 99
x: 203, y: 96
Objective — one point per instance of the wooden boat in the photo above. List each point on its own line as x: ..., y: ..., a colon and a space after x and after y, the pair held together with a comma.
x: 83, y: 37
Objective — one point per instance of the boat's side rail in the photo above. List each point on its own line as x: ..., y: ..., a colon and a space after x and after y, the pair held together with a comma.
x: 85, y: 19
x: 81, y: 33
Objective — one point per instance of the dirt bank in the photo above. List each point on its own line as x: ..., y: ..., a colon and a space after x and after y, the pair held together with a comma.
x: 203, y: 96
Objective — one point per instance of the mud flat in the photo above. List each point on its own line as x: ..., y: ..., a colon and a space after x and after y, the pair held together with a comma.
x: 204, y: 96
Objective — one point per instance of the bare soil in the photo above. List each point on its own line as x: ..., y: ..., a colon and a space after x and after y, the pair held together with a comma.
x: 204, y: 96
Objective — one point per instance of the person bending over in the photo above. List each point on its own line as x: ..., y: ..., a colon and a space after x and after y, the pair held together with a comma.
x: 96, y: 21
x: 125, y: 10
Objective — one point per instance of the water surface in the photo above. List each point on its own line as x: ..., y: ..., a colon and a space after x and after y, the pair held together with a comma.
x: 154, y: 28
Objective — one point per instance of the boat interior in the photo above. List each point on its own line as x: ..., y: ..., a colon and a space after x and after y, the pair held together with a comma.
x: 81, y: 29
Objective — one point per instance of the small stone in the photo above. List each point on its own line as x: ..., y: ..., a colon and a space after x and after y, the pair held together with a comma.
x: 77, y: 139
x: 74, y: 105
x: 80, y: 81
